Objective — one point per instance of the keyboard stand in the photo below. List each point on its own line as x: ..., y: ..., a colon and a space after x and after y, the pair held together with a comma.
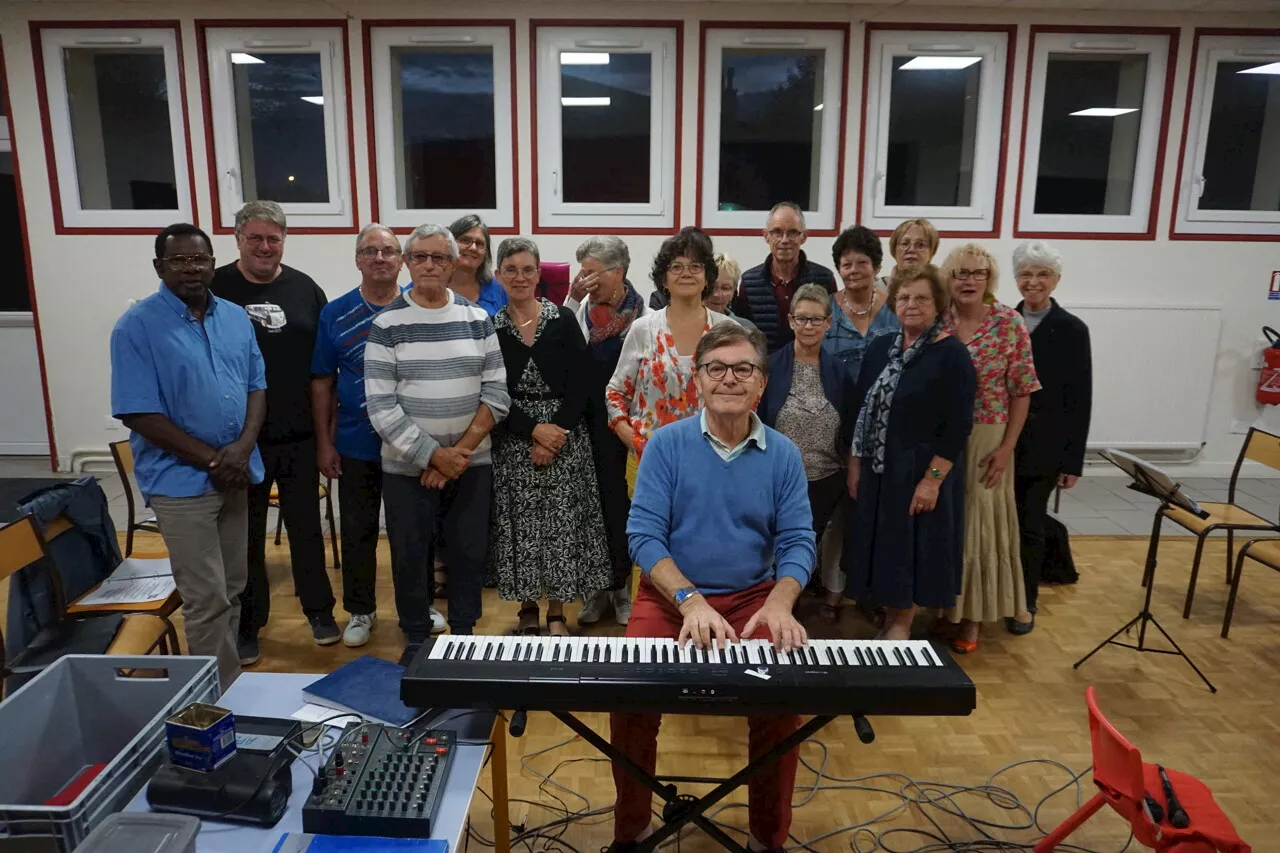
x: 681, y: 810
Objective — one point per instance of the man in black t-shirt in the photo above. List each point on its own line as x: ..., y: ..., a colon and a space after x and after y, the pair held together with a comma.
x: 284, y: 306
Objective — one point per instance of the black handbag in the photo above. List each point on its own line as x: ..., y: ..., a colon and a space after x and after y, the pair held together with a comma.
x: 1058, y: 566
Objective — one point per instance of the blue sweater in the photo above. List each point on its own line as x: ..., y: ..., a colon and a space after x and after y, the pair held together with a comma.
x: 727, y: 525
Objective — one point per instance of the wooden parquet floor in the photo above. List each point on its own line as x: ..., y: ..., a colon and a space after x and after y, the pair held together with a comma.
x: 1030, y: 705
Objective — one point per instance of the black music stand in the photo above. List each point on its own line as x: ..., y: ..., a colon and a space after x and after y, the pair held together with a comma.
x: 1150, y: 480
x: 682, y: 809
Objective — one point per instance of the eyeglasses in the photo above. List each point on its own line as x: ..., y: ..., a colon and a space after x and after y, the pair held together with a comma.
x: 717, y: 370
x: 808, y: 321
x: 977, y: 275
x: 182, y: 262
x: 371, y: 252
x: 1037, y: 275
x: 437, y: 258
x: 470, y: 242
x: 272, y: 240
x: 678, y: 269
x: 918, y: 245
x: 518, y: 272
x: 918, y: 299
x: 778, y: 234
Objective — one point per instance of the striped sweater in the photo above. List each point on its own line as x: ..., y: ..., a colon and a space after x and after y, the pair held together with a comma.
x: 426, y: 373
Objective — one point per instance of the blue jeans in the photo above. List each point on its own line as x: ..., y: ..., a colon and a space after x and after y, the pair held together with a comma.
x: 411, y: 528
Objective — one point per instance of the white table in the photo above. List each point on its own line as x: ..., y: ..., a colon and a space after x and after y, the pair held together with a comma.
x: 262, y: 694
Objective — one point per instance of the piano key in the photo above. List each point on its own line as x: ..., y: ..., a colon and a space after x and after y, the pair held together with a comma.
x: 811, y: 655
x: 597, y: 654
x: 926, y: 651
x: 879, y: 656
x: 646, y: 650
x: 683, y: 652
x: 508, y: 650
x: 909, y: 655
x: 897, y: 654
x: 862, y: 659
x: 437, y: 649
x: 713, y: 653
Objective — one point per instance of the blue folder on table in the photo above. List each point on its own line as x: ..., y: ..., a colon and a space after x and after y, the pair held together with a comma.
x: 367, y: 686
x: 297, y: 842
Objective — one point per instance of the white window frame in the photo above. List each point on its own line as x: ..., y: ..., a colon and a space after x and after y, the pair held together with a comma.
x: 1138, y: 220
x: 980, y: 215
x: 53, y: 41
x: 328, y: 42
x: 1188, y: 218
x: 825, y: 216
x: 660, y: 211
x: 381, y: 40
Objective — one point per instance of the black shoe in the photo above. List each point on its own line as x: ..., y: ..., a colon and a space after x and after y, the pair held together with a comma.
x: 324, y: 630
x: 410, y: 652
x: 247, y: 648
x: 1020, y: 629
x: 620, y: 847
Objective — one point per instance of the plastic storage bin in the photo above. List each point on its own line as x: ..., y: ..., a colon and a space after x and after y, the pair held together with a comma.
x: 143, y: 833
x: 79, y: 712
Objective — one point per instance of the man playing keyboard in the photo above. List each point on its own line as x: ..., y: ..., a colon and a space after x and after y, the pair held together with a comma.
x: 721, y: 528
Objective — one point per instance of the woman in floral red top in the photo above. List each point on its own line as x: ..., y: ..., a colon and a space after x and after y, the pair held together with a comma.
x: 653, y: 383
x: 992, y: 586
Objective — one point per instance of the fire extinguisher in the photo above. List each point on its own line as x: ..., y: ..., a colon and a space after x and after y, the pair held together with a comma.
x: 1269, y: 378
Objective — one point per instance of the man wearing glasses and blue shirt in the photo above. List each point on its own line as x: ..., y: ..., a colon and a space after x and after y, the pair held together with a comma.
x: 188, y: 380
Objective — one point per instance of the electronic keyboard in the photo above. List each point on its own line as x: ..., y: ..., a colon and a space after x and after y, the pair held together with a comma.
x: 750, y: 677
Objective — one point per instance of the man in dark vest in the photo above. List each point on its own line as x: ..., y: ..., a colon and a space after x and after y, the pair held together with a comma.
x: 764, y: 294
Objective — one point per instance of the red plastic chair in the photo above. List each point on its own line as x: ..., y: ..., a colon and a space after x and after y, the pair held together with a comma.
x: 555, y: 281
x: 1122, y: 778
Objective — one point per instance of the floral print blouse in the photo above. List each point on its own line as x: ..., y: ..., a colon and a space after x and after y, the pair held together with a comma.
x: 1001, y: 353
x: 653, y: 384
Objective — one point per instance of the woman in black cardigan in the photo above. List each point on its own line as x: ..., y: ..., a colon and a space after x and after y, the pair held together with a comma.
x: 547, y: 537
x: 1050, y: 451
x: 906, y: 474
x: 810, y: 400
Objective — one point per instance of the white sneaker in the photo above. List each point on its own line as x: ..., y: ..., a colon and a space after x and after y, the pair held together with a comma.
x: 593, y: 611
x: 622, y: 605
x: 438, y: 622
x: 358, y: 629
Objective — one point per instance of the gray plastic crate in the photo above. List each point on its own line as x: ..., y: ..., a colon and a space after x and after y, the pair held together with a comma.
x: 79, y: 712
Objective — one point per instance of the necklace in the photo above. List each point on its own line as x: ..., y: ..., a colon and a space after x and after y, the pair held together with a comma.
x: 848, y: 304
x: 373, y: 309
x: 514, y: 316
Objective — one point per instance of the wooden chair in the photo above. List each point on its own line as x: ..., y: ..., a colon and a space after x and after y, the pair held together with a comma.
x: 21, y: 545
x: 122, y: 453
x: 326, y: 495
x: 1123, y: 780
x: 1264, y: 551
x: 1261, y: 447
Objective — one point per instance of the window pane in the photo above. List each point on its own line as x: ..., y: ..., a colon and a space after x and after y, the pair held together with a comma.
x: 770, y: 127
x: 13, y: 271
x: 119, y: 106
x: 447, y: 163
x: 605, y: 129
x: 282, y: 138
x: 933, y: 129
x: 1088, y: 162
x: 1242, y: 153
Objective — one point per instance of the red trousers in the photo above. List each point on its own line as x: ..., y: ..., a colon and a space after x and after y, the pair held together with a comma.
x: 636, y: 735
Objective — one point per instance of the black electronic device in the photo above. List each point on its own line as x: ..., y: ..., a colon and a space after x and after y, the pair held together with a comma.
x: 252, y: 787
x: 380, y: 780
x: 571, y: 674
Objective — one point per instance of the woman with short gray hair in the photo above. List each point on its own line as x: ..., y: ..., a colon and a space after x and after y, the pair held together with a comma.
x: 547, y: 535
x: 1050, y: 451
x: 473, y: 275
x: 606, y: 304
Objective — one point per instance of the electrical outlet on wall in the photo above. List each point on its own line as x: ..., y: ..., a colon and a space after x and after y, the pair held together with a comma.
x: 111, y: 423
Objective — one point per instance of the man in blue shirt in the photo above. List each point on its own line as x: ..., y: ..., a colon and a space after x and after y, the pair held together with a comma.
x: 721, y: 527
x: 347, y: 448
x: 188, y: 380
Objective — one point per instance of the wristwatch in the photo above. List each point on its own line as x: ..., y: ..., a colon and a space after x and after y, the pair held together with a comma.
x: 935, y: 473
x: 684, y: 594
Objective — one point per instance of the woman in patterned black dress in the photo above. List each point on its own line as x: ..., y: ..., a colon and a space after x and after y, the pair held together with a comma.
x: 547, y: 537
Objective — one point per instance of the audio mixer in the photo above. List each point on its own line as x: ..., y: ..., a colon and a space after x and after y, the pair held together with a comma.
x: 380, y: 780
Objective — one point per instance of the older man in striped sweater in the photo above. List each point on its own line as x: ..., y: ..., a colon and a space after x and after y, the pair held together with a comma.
x: 435, y: 386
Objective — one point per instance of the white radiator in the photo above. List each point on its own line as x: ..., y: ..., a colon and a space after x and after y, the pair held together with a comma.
x: 1153, y: 370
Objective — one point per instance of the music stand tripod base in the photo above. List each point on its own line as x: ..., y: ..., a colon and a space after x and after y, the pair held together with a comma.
x: 1148, y: 482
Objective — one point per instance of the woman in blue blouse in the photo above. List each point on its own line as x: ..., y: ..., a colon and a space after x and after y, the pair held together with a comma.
x: 861, y: 314
x: 473, y: 275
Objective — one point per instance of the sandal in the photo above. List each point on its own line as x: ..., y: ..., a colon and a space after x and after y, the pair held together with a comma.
x: 557, y: 617
x: 528, y: 628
